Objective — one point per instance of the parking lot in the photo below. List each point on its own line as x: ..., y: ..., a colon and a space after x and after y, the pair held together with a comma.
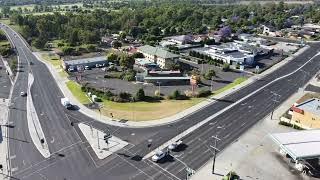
x: 95, y: 78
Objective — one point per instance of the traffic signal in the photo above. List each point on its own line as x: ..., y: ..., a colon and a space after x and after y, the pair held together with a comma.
x: 106, y: 137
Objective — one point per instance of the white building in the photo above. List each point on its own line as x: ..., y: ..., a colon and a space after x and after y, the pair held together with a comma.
x: 230, y: 53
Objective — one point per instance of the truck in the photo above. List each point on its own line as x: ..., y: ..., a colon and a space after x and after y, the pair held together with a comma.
x: 66, y: 103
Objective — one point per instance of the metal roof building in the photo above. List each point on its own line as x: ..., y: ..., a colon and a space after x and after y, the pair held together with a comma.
x: 157, y: 51
x: 91, y: 62
x: 299, y: 145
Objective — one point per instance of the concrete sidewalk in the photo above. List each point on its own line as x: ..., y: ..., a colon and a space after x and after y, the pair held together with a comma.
x: 61, y: 81
x: 4, y: 157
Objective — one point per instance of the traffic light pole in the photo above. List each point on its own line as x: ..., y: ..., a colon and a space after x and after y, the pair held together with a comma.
x: 98, y: 139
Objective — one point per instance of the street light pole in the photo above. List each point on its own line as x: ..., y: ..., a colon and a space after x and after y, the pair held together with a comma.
x: 211, y: 88
x: 159, y: 83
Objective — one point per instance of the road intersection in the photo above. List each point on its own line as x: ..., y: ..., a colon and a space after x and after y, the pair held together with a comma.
x: 73, y: 158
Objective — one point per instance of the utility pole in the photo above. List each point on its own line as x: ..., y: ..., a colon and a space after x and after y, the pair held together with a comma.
x: 215, y: 149
x: 274, y: 102
x: 211, y: 86
x: 98, y: 139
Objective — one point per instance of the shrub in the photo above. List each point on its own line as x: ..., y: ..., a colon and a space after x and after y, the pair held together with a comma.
x: 68, y: 50
x: 124, y: 95
x: 91, y: 48
x: 83, y: 89
x: 129, y: 76
x: 140, y: 96
x: 204, y: 93
x: 226, y: 67
x: 60, y: 44
x: 176, y: 95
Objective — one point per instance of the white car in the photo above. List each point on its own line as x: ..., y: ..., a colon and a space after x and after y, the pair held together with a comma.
x: 23, y: 93
x: 174, y: 145
x: 159, y: 155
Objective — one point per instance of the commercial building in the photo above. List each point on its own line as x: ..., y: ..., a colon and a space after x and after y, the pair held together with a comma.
x: 77, y: 64
x: 163, y: 77
x: 230, y: 53
x: 158, y: 55
x: 307, y: 113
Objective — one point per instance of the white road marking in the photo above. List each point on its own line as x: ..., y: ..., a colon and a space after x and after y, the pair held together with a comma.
x: 227, y: 135
x: 15, y: 169
x: 13, y: 156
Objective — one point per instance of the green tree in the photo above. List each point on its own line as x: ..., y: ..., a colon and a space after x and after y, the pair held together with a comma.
x: 73, y: 38
x: 39, y: 43
x: 209, y: 74
x: 112, y: 57
x: 226, y: 67
x: 127, y: 61
x: 140, y: 96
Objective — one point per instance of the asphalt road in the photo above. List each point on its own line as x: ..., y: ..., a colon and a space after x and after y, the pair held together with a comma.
x: 75, y: 159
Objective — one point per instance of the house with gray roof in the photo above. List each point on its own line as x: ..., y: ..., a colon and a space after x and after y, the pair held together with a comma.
x: 158, y: 55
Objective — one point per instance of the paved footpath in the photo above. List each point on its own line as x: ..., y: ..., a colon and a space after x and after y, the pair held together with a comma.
x: 3, y: 139
x: 61, y: 81
x: 254, y: 155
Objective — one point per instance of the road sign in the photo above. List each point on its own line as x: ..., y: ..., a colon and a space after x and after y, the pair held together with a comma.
x: 241, y: 67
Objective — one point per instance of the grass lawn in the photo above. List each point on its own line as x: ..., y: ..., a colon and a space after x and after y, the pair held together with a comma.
x: 55, y: 61
x: 231, y: 85
x: 143, y: 111
x: 75, y: 89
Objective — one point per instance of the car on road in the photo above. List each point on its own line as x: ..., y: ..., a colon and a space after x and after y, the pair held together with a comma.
x: 158, y: 155
x: 22, y: 93
x: 174, y: 145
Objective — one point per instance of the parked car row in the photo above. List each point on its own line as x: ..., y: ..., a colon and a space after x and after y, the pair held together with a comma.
x: 87, y: 67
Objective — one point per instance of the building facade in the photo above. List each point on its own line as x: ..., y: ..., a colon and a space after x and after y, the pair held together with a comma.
x: 158, y: 55
x: 307, y: 112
